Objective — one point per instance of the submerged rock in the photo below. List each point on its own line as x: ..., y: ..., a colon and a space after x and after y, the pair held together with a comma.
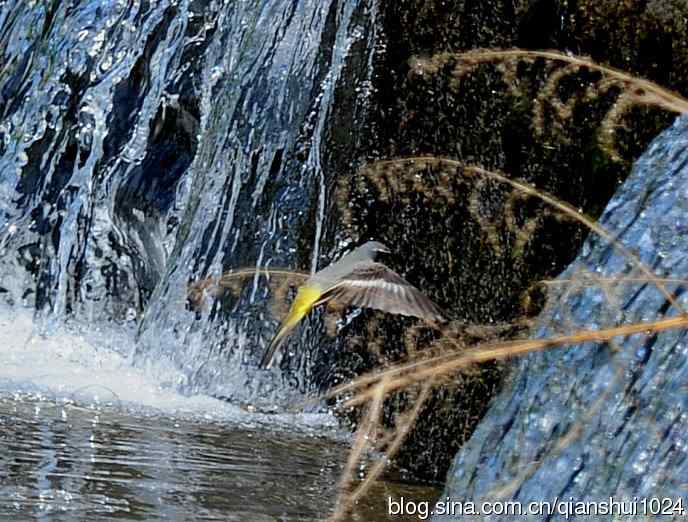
x: 595, y: 420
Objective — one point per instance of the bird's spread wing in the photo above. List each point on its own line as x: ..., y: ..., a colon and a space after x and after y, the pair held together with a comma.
x: 373, y: 285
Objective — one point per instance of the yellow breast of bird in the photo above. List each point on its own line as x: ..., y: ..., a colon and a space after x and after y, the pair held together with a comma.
x: 306, y: 297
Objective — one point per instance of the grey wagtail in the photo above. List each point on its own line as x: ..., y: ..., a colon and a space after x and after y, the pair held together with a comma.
x: 357, y: 280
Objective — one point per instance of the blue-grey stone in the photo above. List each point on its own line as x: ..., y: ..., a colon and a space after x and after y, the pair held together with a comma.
x: 599, y: 420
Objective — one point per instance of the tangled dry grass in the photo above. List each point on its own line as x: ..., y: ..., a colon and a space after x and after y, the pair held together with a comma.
x: 451, y: 357
x: 551, y: 108
x: 441, y: 181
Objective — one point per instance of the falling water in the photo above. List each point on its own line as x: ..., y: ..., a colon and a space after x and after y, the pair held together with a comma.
x: 144, y: 145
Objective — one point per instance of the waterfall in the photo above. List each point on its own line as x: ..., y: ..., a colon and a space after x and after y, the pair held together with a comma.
x: 145, y: 145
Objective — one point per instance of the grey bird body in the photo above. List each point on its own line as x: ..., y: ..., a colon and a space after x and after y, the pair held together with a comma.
x: 337, y: 271
x: 356, y: 279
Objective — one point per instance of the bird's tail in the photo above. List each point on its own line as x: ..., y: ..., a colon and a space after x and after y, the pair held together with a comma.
x: 276, y: 342
x: 306, y: 297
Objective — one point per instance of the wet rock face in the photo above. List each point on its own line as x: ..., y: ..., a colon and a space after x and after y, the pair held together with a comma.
x: 600, y: 419
x: 477, y: 120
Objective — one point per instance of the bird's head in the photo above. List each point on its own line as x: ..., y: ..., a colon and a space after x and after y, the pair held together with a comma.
x: 375, y: 247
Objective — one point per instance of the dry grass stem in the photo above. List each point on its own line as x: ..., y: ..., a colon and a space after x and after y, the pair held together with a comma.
x: 413, y: 164
x: 364, y: 435
x: 592, y: 279
x: 233, y: 282
x: 643, y: 92
x: 406, y: 375
x: 394, y: 445
x: 633, y: 91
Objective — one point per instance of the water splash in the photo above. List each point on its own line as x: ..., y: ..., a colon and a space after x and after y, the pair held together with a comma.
x: 144, y: 145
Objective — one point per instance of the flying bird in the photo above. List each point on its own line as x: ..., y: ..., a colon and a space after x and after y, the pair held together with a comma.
x: 357, y: 280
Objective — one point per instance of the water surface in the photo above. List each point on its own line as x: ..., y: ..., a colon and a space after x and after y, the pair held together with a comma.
x: 85, y: 436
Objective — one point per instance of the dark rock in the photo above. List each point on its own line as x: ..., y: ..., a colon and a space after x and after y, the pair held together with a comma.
x: 477, y: 120
x: 596, y: 420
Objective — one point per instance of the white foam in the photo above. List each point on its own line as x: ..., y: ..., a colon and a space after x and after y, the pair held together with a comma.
x: 65, y: 366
